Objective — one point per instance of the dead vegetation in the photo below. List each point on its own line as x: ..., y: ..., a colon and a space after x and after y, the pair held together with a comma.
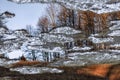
x: 28, y: 63
x: 108, y: 71
x: 91, y: 72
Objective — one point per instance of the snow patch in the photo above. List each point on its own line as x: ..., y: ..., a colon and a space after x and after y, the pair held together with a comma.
x: 36, y: 70
x: 6, y: 37
x: 14, y: 54
x: 81, y: 48
x: 115, y: 33
x: 115, y: 45
x: 100, y: 40
x: 65, y: 30
x: 98, y: 6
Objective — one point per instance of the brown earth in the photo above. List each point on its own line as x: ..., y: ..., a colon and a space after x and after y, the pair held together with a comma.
x: 92, y: 72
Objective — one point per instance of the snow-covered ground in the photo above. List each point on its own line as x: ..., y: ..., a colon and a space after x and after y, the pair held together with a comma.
x: 86, y: 58
x: 53, y: 44
x: 115, y: 28
x: 16, y: 54
x: 36, y: 70
x: 115, y: 33
x: 81, y: 48
x: 7, y: 63
x: 15, y: 45
x: 100, y: 40
x: 65, y: 30
x: 98, y: 6
x: 116, y: 25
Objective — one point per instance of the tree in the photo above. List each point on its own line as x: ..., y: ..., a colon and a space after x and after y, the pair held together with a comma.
x: 29, y: 29
x: 43, y: 24
x: 63, y: 16
x: 67, y: 17
x: 51, y: 12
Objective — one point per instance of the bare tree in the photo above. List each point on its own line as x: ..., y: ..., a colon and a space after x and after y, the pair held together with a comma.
x: 29, y: 29
x: 63, y: 16
x: 67, y: 17
x: 43, y: 24
x: 52, y: 13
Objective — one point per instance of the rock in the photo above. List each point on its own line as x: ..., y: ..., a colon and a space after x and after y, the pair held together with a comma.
x: 1, y: 55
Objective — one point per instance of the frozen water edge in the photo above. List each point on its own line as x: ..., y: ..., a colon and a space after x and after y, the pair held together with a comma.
x: 86, y: 58
x: 36, y: 70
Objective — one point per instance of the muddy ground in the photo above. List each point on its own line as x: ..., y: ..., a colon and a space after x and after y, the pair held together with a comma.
x: 70, y: 73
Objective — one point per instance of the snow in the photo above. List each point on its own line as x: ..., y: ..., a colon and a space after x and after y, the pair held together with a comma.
x: 2, y: 30
x: 6, y: 63
x: 83, y: 58
x: 100, y: 40
x: 115, y: 45
x: 7, y: 37
x: 75, y: 63
x: 14, y: 54
x: 98, y: 6
x: 115, y: 51
x: 81, y: 53
x: 65, y: 30
x: 81, y: 48
x: 59, y: 38
x: 116, y: 25
x: 115, y: 33
x: 115, y: 28
x: 36, y: 70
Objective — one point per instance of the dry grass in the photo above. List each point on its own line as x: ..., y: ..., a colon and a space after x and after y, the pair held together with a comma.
x: 97, y: 70
x: 112, y: 72
x: 28, y: 63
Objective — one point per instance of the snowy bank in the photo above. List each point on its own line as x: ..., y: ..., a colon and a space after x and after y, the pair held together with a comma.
x: 36, y: 70
x: 16, y: 54
x: 65, y: 30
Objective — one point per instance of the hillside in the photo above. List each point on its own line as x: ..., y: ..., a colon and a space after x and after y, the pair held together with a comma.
x: 88, y: 50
